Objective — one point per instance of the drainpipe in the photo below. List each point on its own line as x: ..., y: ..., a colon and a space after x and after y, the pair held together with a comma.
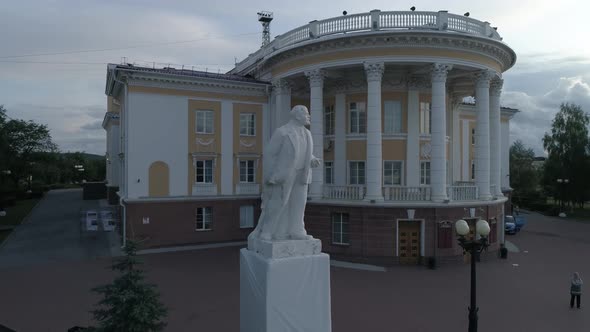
x: 124, y: 221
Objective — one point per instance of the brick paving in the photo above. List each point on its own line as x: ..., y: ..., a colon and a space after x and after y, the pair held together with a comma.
x: 201, y: 289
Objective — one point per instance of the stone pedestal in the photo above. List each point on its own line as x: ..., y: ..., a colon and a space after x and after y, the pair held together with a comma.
x: 284, y: 286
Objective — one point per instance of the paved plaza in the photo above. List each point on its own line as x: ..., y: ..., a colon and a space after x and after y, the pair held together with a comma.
x: 527, y: 292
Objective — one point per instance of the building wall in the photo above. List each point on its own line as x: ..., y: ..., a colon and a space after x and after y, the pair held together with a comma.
x: 163, y: 223
x: 156, y: 133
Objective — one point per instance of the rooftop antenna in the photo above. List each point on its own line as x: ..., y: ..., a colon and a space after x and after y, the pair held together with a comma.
x: 265, y: 18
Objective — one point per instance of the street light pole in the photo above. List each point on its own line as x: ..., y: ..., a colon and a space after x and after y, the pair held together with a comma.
x: 474, y: 248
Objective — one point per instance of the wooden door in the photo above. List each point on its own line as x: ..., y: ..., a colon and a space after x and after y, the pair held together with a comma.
x: 409, y: 242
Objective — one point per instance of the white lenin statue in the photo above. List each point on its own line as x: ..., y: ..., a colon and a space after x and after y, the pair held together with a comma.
x: 287, y: 161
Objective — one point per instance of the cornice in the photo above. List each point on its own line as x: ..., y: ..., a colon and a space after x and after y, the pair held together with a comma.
x: 200, y: 83
x: 110, y: 117
x: 419, y: 39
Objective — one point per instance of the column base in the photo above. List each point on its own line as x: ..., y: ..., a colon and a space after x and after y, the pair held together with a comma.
x: 284, y: 294
x: 485, y: 197
x: 439, y: 198
x: 374, y: 199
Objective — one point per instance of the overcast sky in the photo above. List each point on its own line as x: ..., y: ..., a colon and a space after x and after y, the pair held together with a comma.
x: 66, y: 91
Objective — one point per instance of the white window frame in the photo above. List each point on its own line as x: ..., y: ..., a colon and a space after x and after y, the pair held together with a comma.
x: 357, y: 115
x: 204, y: 165
x: 350, y: 172
x: 392, y: 117
x: 425, y: 179
x: 206, y: 216
x: 329, y: 169
x: 247, y: 216
x: 425, y: 118
x: 338, y: 218
x: 208, y: 121
x: 401, y: 175
x: 247, y: 124
x: 329, y: 120
x: 248, y: 169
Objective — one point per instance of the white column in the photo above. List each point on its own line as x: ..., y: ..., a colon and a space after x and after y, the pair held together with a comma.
x: 482, y: 134
x: 413, y: 138
x: 495, y: 146
x: 316, y: 83
x: 457, y: 158
x: 340, y: 139
x: 282, y: 97
x: 505, y: 153
x: 227, y: 145
x: 374, y: 164
x: 438, y: 138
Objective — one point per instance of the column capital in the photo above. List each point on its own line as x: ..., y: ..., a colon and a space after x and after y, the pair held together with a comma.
x: 496, y: 87
x: 418, y: 82
x: 482, y: 78
x: 374, y: 70
x: 439, y: 72
x: 316, y: 77
x: 281, y: 86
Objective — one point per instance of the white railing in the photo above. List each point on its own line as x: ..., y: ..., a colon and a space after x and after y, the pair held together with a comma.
x: 464, y: 183
x: 462, y: 193
x: 405, y: 194
x: 344, y: 192
x: 374, y: 21
x: 204, y: 189
x: 247, y: 189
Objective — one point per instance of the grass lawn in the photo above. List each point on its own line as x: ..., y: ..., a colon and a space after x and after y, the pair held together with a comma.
x: 15, y: 214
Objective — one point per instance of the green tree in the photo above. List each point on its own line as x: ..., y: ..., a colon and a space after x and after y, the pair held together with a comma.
x: 129, y: 304
x: 524, y: 178
x: 21, y: 143
x: 568, y: 147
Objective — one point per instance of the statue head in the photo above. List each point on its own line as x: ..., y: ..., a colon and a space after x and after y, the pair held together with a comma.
x: 300, y: 114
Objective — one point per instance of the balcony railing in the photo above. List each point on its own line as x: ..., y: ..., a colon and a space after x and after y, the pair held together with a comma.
x: 204, y: 189
x: 247, y: 189
x: 344, y: 192
x: 462, y: 193
x: 374, y: 21
x: 406, y: 194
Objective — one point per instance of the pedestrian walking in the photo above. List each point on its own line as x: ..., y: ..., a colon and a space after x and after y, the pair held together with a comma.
x: 576, y: 290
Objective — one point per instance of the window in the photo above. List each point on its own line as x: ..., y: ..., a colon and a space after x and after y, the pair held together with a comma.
x: 247, y: 124
x: 246, y: 216
x: 329, y: 172
x: 204, y: 171
x: 356, y: 174
x: 329, y: 120
x: 425, y: 119
x: 425, y: 172
x: 203, y: 219
x: 340, y: 228
x: 392, y: 117
x: 247, y: 171
x: 472, y: 136
x: 358, y: 120
x: 204, y: 122
x: 473, y: 170
x: 392, y: 173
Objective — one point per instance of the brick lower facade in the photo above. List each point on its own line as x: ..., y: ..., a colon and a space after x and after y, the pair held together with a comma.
x: 373, y: 233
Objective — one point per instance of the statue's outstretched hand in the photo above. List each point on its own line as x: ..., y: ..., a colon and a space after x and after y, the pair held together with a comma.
x: 315, y: 162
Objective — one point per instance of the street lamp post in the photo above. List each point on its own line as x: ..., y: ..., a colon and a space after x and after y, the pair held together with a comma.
x: 474, y: 247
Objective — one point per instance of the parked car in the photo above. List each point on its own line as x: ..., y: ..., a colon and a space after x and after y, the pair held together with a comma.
x: 107, y: 220
x: 91, y: 220
x: 513, y: 224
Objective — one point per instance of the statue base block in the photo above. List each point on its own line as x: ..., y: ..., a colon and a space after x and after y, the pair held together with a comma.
x: 285, y: 248
x: 284, y: 294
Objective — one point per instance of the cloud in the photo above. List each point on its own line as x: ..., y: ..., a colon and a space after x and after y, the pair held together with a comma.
x: 96, y: 125
x: 537, y: 111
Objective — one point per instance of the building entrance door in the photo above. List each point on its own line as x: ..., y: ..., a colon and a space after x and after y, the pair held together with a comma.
x: 409, y: 242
